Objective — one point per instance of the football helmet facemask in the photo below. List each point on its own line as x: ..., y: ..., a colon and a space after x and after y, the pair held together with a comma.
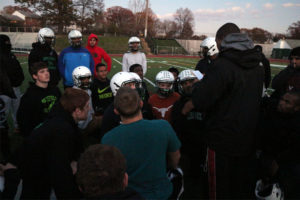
x: 45, y: 33
x: 75, y: 34
x: 164, y: 77
x: 82, y: 77
x: 209, y: 46
x: 131, y: 42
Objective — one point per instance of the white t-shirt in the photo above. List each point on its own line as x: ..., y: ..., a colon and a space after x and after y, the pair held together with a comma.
x: 134, y: 58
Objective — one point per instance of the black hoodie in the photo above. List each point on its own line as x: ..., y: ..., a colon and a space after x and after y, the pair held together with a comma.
x: 230, y: 95
x: 35, y: 105
x: 46, y: 155
x: 11, y: 73
x: 45, y: 53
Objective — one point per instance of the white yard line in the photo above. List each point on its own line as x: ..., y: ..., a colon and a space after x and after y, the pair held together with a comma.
x: 144, y: 77
x: 117, y: 61
x: 23, y: 63
x: 149, y: 81
x: 166, y: 63
x: 278, y: 66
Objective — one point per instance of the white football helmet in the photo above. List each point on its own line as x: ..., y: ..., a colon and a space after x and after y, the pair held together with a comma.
x: 138, y: 84
x: 80, y: 73
x: 187, y: 74
x: 46, y: 33
x: 268, y: 192
x: 75, y: 34
x: 211, y: 45
x: 136, y: 76
x: 134, y: 40
x: 119, y: 80
x: 164, y: 77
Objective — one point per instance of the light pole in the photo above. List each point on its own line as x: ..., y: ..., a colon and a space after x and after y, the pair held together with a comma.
x: 146, y: 18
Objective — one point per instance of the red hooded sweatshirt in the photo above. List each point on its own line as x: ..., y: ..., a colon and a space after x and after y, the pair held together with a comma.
x: 98, y: 53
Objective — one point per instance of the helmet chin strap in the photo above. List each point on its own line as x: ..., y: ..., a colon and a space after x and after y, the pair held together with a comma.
x: 164, y: 93
x: 134, y: 50
x: 76, y: 45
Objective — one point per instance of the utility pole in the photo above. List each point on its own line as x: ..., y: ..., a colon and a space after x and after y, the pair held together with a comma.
x: 146, y: 18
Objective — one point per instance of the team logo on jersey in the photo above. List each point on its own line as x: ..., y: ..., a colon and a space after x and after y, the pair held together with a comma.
x: 48, y: 103
x: 103, y: 95
x: 194, y: 116
x: 163, y: 110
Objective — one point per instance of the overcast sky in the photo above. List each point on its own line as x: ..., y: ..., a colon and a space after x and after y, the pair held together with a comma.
x: 272, y: 15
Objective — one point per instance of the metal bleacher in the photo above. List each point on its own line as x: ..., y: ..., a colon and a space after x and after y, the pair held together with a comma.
x: 21, y: 41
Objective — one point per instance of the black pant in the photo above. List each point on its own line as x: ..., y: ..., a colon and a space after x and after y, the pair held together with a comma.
x: 4, y: 143
x: 231, y: 177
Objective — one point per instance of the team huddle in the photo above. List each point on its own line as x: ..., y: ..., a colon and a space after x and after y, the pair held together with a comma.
x: 208, y: 133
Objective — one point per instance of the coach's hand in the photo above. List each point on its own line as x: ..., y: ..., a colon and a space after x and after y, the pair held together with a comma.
x: 188, y: 106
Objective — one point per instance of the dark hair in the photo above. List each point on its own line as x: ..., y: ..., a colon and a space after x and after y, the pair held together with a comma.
x: 132, y: 67
x: 101, y: 170
x: 173, y: 69
x: 295, y: 52
x: 227, y: 29
x: 127, y: 102
x: 100, y: 65
x: 258, y: 47
x: 35, y: 67
x: 3, y: 39
x: 73, y: 98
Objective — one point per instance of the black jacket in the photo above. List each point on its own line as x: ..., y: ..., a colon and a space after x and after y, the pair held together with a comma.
x: 280, y: 135
x: 267, y: 70
x: 230, y: 95
x: 46, y: 157
x: 287, y: 79
x: 189, y: 128
x: 43, y: 52
x: 11, y: 73
x: 35, y: 105
x: 203, y: 65
x: 12, y: 180
x: 128, y: 194
x: 110, y: 120
x: 102, y: 95
x: 5, y: 85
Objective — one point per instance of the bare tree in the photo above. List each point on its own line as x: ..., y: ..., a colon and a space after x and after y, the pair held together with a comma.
x: 137, y: 6
x: 59, y: 13
x: 294, y: 30
x: 258, y: 34
x: 89, y: 12
x: 169, y: 28
x: 185, y: 21
x: 138, y: 9
x: 119, y: 20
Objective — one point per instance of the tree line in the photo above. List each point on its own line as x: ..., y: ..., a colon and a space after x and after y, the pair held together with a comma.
x: 90, y: 16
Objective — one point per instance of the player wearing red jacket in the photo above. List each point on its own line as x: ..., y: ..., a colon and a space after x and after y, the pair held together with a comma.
x: 97, y: 52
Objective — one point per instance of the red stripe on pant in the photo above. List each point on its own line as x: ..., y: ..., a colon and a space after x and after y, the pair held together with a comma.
x: 211, y: 163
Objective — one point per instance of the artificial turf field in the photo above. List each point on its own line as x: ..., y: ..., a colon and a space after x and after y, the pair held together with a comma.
x: 154, y: 65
